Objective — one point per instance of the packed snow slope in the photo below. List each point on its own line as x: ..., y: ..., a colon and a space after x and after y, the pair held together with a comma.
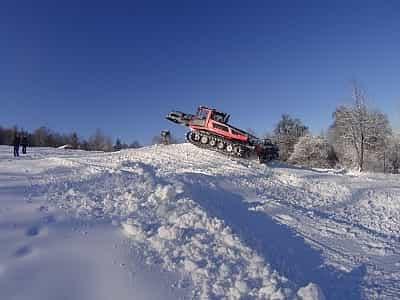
x: 178, y: 222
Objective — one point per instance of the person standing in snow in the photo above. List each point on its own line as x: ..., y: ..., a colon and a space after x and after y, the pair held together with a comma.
x: 17, y: 141
x: 260, y: 153
x: 24, y: 144
x: 165, y: 137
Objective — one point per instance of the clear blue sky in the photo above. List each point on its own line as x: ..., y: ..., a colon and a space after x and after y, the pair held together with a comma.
x: 122, y: 65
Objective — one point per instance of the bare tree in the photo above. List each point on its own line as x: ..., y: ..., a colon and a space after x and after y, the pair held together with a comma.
x: 6, y: 136
x: 46, y: 137
x: 358, y: 131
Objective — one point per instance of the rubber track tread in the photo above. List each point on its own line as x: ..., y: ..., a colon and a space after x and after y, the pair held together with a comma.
x: 245, y: 153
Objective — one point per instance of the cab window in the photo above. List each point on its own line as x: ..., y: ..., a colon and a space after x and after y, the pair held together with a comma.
x: 220, y: 127
x: 202, y: 114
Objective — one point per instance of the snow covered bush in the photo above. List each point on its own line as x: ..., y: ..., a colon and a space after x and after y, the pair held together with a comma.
x: 313, y: 151
x: 287, y: 133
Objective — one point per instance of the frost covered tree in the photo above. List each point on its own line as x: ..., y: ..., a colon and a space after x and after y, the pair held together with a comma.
x: 287, y: 133
x: 100, y: 142
x: 392, y: 154
x: 358, y: 133
x: 313, y: 151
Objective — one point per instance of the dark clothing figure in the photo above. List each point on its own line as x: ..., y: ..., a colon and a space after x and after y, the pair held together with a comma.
x: 24, y: 144
x: 165, y: 137
x: 17, y: 141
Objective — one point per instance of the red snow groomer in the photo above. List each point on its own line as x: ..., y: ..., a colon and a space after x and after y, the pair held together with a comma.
x: 210, y: 130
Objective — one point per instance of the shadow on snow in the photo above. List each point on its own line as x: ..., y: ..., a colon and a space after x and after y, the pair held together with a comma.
x: 287, y: 252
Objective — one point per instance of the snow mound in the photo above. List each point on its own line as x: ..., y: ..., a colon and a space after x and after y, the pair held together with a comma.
x: 172, y: 229
x: 66, y: 146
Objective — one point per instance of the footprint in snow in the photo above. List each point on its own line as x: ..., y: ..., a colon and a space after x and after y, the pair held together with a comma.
x: 33, y: 231
x: 23, y: 251
x: 43, y: 208
x: 49, y: 219
x: 40, y: 229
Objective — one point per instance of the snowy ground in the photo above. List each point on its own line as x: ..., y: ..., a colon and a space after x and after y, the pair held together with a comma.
x: 178, y: 222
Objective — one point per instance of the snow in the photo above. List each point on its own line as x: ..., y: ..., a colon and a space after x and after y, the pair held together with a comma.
x: 178, y: 222
x: 311, y: 291
x: 66, y: 146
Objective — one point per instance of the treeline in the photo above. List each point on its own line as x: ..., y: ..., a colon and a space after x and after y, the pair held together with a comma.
x: 359, y: 138
x: 45, y: 137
